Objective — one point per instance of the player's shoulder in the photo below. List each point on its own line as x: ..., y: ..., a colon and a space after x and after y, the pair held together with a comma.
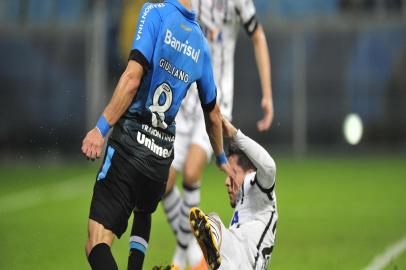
x: 149, y: 6
x: 199, y: 30
x: 155, y: 9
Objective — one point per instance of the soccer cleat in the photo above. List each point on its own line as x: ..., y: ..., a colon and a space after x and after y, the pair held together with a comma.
x: 203, y: 232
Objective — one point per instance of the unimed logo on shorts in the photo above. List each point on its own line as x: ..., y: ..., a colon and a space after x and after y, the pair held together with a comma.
x: 150, y: 144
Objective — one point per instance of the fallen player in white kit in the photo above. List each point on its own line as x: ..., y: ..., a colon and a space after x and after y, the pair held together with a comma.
x: 249, y: 240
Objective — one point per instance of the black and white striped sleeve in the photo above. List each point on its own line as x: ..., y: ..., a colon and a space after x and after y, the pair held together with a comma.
x: 246, y: 10
x: 266, y: 168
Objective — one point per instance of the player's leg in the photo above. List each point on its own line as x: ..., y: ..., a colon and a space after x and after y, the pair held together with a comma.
x: 172, y: 200
x: 139, y: 239
x: 98, y: 247
x: 146, y: 195
x: 194, y: 165
x: 109, y: 212
x: 193, y: 168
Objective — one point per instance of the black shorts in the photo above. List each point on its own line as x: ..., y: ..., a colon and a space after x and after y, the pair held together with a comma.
x: 121, y: 188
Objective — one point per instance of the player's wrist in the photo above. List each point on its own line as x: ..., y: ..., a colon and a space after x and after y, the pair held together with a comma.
x: 221, y: 159
x: 103, y: 126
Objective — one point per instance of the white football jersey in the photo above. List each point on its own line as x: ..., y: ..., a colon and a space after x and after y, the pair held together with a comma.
x: 255, y: 214
x: 225, y: 17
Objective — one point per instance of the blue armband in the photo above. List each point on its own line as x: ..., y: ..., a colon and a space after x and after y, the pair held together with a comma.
x: 221, y: 159
x: 103, y: 126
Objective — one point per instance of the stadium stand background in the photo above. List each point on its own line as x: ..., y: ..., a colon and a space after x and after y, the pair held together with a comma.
x: 346, y: 56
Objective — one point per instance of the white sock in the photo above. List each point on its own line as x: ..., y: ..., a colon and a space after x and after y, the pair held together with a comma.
x: 179, y: 258
x: 194, y: 253
x: 191, y: 198
x: 172, y: 203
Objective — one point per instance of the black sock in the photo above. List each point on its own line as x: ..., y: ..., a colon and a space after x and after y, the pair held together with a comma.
x: 100, y: 258
x: 139, y: 240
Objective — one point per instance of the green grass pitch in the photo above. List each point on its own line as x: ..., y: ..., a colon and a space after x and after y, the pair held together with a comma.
x: 334, y: 213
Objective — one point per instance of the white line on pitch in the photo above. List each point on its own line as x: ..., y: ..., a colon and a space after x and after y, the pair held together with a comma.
x: 52, y: 192
x: 391, y: 252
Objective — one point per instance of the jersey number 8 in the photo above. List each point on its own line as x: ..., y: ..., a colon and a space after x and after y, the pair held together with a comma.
x: 158, y: 110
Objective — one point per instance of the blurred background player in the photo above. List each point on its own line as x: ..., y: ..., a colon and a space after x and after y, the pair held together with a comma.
x: 221, y: 22
x: 249, y: 240
x: 169, y: 53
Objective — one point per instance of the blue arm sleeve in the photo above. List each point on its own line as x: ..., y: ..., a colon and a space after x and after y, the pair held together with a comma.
x: 206, y: 85
x: 146, y: 35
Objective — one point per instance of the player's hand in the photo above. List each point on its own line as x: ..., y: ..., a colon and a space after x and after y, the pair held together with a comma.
x: 235, y: 187
x: 213, y: 34
x: 232, y: 189
x: 267, y: 106
x: 228, y: 129
x: 92, y: 144
x: 227, y: 169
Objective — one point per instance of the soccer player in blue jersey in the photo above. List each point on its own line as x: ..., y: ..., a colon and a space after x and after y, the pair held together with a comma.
x: 169, y: 53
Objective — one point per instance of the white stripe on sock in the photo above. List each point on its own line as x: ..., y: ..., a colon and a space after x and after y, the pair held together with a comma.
x: 140, y: 240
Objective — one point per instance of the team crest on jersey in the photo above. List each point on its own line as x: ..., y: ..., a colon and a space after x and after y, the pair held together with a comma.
x: 235, y: 218
x: 184, y: 27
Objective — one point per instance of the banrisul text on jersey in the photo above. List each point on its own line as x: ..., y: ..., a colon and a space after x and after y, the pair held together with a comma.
x: 184, y: 48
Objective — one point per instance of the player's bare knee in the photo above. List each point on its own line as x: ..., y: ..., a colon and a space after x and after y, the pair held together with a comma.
x: 191, y: 177
x: 171, y: 181
x: 169, y: 187
x: 194, y: 166
x: 98, y: 234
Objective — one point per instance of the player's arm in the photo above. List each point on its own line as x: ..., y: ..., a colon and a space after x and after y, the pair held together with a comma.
x: 127, y: 87
x: 262, y: 160
x: 124, y: 93
x: 212, y: 115
x: 247, y: 13
x: 264, y: 68
x: 213, y: 121
x: 122, y: 97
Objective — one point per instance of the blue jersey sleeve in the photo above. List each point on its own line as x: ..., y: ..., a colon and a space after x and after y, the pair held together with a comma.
x: 146, y: 34
x: 206, y: 85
